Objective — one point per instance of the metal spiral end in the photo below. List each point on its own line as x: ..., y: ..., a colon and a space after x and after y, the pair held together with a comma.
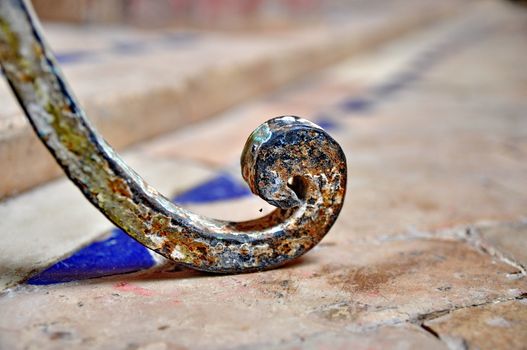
x: 288, y: 161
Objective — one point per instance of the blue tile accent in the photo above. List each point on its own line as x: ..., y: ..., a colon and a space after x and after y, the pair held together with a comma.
x: 73, y: 57
x: 416, y: 68
x: 130, y: 47
x: 115, y: 255
x: 120, y: 253
x: 325, y: 122
x: 357, y: 104
x: 222, y: 187
x: 180, y: 38
x: 400, y: 81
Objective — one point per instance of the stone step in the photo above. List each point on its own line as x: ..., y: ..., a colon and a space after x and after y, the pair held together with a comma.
x: 135, y: 85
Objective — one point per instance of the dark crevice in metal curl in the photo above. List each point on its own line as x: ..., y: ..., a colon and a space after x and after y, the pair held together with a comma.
x: 288, y: 161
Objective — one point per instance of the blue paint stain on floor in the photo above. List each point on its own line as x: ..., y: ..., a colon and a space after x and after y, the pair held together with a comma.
x: 120, y: 253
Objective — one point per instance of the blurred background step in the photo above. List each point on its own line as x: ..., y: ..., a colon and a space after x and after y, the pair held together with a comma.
x: 136, y: 84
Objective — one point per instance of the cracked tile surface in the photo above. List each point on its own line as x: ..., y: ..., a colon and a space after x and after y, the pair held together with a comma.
x: 491, y: 326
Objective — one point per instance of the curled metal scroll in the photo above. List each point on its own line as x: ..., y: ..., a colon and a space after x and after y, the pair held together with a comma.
x: 288, y: 161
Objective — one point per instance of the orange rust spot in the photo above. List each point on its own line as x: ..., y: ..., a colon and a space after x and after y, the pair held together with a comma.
x: 119, y: 186
x: 159, y: 226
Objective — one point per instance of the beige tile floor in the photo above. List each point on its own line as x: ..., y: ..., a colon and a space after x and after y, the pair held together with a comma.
x: 429, y: 251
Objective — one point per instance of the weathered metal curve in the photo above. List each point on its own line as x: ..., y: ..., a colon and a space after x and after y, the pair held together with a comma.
x: 288, y: 161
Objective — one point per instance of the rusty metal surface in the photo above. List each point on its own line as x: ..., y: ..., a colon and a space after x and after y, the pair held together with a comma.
x: 288, y: 161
